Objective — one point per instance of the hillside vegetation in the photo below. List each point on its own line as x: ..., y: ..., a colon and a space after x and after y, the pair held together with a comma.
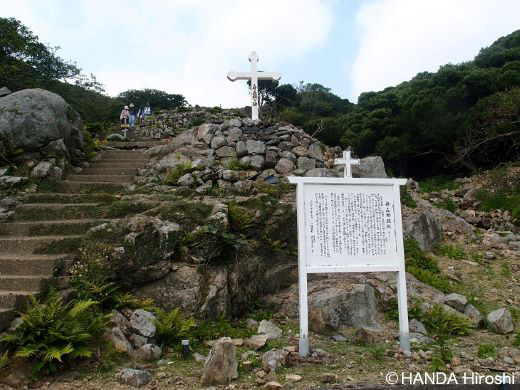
x: 462, y: 117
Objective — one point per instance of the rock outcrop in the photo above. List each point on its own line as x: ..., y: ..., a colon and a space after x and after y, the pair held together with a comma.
x: 39, y: 121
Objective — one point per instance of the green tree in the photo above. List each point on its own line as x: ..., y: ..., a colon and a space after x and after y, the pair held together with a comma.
x: 156, y: 98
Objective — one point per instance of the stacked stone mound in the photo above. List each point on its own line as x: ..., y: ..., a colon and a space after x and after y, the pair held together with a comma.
x: 237, y: 153
x: 170, y: 123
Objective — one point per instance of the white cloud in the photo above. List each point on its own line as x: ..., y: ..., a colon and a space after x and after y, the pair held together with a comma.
x: 182, y: 46
x: 400, y: 38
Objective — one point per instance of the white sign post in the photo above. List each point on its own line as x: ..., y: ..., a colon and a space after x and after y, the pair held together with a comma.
x: 254, y: 76
x: 349, y: 225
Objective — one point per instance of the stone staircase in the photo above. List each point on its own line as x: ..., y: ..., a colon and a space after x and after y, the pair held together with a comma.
x: 50, y: 223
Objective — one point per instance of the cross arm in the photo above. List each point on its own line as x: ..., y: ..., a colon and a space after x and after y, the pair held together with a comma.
x: 269, y: 76
x: 232, y: 76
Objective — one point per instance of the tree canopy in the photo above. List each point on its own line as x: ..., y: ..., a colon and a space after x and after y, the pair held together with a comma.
x: 463, y: 116
x: 154, y: 97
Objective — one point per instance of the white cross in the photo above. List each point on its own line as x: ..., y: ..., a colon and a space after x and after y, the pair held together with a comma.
x: 348, y: 162
x: 254, y: 76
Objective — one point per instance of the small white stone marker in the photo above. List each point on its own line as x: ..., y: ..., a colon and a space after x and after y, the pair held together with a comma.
x: 348, y: 162
x: 124, y: 133
x: 254, y: 76
x: 349, y: 225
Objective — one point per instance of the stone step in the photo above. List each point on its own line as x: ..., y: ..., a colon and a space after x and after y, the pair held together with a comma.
x: 30, y: 264
x: 101, y: 178
x: 14, y: 299
x: 35, y: 212
x: 83, y: 187
x: 65, y: 227
x: 24, y: 283
x: 124, y: 156
x: 43, y: 197
x: 117, y: 165
x: 42, y: 244
x: 95, y: 170
x: 6, y: 316
x: 135, y: 144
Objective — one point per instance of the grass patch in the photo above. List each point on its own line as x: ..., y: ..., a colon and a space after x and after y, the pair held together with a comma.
x: 451, y: 251
x: 126, y: 207
x: 235, y: 165
x: 487, y: 351
x: 501, y: 201
x: 439, y: 183
x: 65, y: 245
x: 212, y: 330
x: 424, y: 267
x: 407, y: 199
x: 61, y: 229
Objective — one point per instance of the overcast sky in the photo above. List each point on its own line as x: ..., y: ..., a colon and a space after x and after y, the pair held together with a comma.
x: 188, y: 46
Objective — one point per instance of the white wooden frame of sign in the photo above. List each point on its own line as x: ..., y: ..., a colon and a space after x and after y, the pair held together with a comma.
x: 311, y: 262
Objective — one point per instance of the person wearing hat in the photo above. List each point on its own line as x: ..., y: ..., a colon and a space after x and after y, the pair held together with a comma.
x: 133, y: 113
x: 124, y: 116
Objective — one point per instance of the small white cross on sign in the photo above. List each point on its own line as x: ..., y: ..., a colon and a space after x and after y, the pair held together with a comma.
x: 254, y: 76
x: 348, y: 162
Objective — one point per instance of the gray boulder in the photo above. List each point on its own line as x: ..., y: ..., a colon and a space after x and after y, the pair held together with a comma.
x: 221, y: 364
x: 500, y: 321
x: 370, y: 167
x: 257, y: 163
x: 218, y: 142
x: 284, y: 166
x: 274, y: 359
x: 117, y: 338
x: 416, y: 326
x: 133, y: 377
x: 255, y: 147
x: 142, y: 322
x: 177, y: 289
x: 342, y: 307
x: 241, y: 148
x: 4, y: 91
x: 32, y: 118
x: 473, y: 313
x: 306, y: 163
x: 456, y: 301
x: 315, y: 152
x: 421, y: 225
x: 320, y: 172
x: 148, y: 352
x: 270, y: 330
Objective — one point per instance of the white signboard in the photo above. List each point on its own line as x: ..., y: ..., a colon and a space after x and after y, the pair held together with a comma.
x: 349, y: 225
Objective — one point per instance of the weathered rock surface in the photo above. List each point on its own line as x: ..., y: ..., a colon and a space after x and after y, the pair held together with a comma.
x: 142, y: 322
x: 221, y: 364
x: 500, y: 321
x: 370, y: 167
x: 270, y: 330
x: 133, y: 377
x: 32, y: 118
x: 339, y: 307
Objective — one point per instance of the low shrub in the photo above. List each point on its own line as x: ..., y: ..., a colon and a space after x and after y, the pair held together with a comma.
x: 447, y: 204
x: 416, y: 257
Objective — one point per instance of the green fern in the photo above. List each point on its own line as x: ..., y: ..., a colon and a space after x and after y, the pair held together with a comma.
x: 4, y: 359
x: 53, y: 331
x: 172, y: 326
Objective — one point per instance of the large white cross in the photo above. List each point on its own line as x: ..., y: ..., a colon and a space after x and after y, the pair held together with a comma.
x: 348, y: 162
x: 254, y: 76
